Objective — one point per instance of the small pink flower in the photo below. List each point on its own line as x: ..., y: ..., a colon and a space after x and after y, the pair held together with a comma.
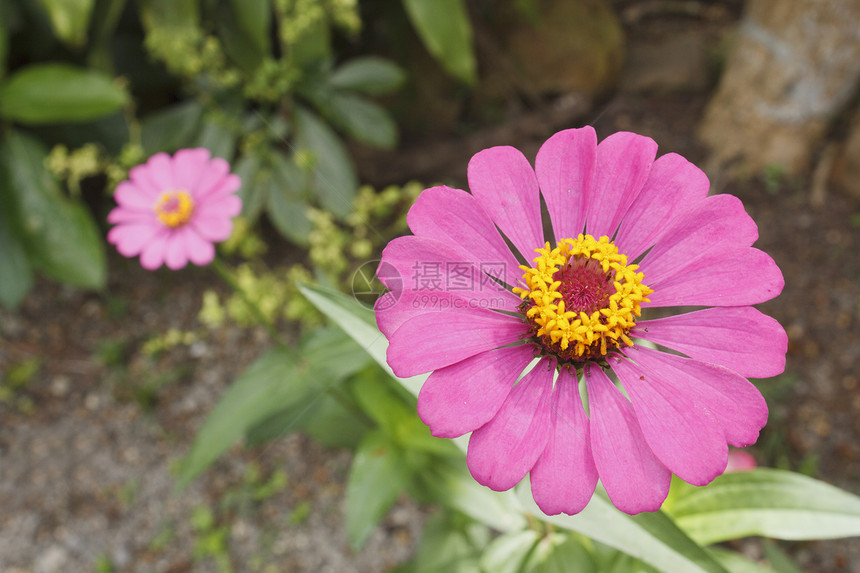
x: 172, y: 209
x: 740, y: 461
x: 629, y: 233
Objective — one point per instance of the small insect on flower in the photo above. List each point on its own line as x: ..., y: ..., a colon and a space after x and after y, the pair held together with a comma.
x: 514, y: 348
x: 173, y: 209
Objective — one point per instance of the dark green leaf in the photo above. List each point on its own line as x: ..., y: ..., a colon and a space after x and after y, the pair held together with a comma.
x: 60, y: 235
x: 377, y: 476
x: 362, y: 120
x: 255, y: 188
x: 778, y: 559
x: 286, y: 205
x: 4, y: 39
x: 171, y: 128
x: 371, y: 75
x: 444, y: 27
x: 16, y: 275
x: 218, y: 139
x: 244, y: 27
x: 450, y: 544
x: 768, y: 502
x: 70, y: 19
x: 57, y: 93
x: 334, y: 179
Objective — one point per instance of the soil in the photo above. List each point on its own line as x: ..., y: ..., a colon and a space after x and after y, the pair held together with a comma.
x: 89, y: 443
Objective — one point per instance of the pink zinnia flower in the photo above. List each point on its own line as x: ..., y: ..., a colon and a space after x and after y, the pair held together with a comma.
x: 172, y: 209
x: 629, y: 233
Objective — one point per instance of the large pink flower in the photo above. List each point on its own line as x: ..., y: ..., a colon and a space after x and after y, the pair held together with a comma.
x: 467, y: 311
x: 172, y: 209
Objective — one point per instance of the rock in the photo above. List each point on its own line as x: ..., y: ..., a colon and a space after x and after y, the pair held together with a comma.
x: 794, y: 65
x: 845, y: 176
x: 673, y: 63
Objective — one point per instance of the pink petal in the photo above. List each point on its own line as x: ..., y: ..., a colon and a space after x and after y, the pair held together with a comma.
x: 739, y: 338
x: 621, y: 167
x: 119, y: 215
x: 132, y: 197
x: 634, y: 478
x: 564, y: 477
x: 455, y: 217
x: 176, y: 256
x: 131, y: 239
x: 428, y: 265
x: 681, y: 432
x: 734, y: 402
x: 141, y: 177
x: 214, y: 229
x: 188, y: 167
x: 673, y: 185
x: 200, y: 251
x: 504, y: 183
x: 731, y: 276
x: 154, y: 252
x: 438, y: 339
x: 564, y: 167
x: 466, y: 395
x: 159, y: 171
x: 216, y: 180
x: 718, y: 222
x: 503, y: 450
x: 399, y: 305
x: 223, y: 206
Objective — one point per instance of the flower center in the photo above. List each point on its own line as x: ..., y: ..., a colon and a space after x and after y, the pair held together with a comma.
x: 582, y: 298
x: 174, y: 208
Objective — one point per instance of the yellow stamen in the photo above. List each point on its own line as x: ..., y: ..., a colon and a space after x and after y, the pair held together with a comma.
x: 574, y: 333
x: 174, y: 208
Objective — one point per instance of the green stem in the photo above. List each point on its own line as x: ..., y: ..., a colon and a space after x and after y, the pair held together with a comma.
x: 225, y: 274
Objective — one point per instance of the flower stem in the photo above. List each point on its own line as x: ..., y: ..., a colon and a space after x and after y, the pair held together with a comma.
x: 225, y: 274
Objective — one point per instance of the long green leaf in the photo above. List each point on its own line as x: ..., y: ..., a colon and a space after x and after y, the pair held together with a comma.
x: 60, y: 235
x: 377, y: 476
x: 768, y: 502
x: 444, y: 27
x: 334, y: 179
x: 16, y: 274
x: 244, y: 28
x: 651, y: 537
x: 371, y: 75
x: 59, y: 93
x: 278, y: 379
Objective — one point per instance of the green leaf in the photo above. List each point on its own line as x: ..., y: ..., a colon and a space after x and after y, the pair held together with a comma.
x: 57, y: 93
x: 244, y: 26
x: 268, y: 385
x: 737, y: 563
x: 779, y: 561
x: 450, y: 544
x: 4, y: 39
x: 16, y: 275
x: 377, y: 476
x: 255, y: 188
x: 286, y: 205
x: 362, y: 120
x: 171, y: 128
x: 333, y: 179
x: 60, y: 235
x: 279, y: 379
x: 560, y: 553
x: 70, y: 19
x: 768, y: 502
x: 652, y: 537
x: 371, y: 75
x: 444, y: 27
x: 170, y: 13
x: 507, y: 553
x: 218, y: 139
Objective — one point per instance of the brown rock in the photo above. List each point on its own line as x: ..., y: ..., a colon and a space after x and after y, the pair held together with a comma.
x: 794, y: 65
